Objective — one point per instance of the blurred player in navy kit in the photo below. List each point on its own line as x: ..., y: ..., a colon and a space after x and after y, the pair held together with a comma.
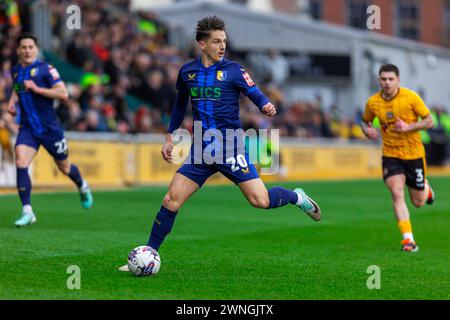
x: 36, y: 85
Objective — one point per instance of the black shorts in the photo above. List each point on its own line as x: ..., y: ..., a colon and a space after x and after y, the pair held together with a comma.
x: 414, y: 170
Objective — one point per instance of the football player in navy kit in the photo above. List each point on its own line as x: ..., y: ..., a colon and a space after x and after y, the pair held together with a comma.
x: 213, y: 85
x: 36, y: 85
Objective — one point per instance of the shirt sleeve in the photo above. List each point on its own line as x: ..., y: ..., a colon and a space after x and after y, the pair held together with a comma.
x: 180, y: 105
x: 51, y: 75
x: 248, y: 87
x: 419, y: 106
x: 243, y: 80
x: 368, y: 115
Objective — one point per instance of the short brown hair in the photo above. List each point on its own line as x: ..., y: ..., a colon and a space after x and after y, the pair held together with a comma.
x: 26, y: 35
x: 387, y: 67
x: 206, y: 25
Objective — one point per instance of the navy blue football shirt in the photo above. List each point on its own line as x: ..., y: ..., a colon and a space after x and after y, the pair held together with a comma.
x: 214, y: 94
x: 36, y: 111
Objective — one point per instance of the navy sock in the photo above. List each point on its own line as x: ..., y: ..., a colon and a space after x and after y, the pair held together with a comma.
x: 24, y: 185
x: 75, y: 176
x: 161, y: 227
x: 279, y: 197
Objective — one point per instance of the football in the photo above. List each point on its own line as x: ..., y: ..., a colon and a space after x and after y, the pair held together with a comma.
x: 144, y: 261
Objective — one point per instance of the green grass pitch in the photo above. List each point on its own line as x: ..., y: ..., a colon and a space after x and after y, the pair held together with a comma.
x: 222, y: 248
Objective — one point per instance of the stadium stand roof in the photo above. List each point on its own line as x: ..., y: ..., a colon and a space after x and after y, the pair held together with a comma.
x: 285, y: 32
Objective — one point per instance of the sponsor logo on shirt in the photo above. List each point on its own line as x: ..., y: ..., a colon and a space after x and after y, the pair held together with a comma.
x: 191, y: 76
x: 53, y: 72
x: 19, y: 87
x: 205, y: 92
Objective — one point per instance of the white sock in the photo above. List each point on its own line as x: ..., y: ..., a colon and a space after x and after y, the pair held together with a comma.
x: 84, y: 186
x: 409, y: 236
x: 27, y: 209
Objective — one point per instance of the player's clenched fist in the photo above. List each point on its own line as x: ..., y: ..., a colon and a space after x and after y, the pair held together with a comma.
x: 167, y: 148
x: 12, y: 108
x: 372, y: 133
x: 401, y: 126
x: 30, y: 85
x: 269, y: 110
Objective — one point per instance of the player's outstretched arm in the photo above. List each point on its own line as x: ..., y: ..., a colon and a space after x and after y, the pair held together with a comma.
x: 176, y: 119
x: 244, y: 82
x: 58, y: 91
x: 368, y: 131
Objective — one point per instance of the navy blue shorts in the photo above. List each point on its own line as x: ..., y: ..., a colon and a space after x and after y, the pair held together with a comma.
x: 53, y: 141
x: 238, y: 169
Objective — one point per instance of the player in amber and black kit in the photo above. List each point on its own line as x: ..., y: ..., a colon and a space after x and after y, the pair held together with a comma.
x: 401, y: 113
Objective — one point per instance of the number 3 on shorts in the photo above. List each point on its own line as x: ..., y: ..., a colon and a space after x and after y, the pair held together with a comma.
x: 61, y: 146
x: 419, y: 175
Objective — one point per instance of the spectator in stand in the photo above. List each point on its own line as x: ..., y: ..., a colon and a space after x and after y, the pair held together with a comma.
x: 143, y: 120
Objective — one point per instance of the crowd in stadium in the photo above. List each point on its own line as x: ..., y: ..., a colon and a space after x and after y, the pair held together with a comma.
x: 127, y: 54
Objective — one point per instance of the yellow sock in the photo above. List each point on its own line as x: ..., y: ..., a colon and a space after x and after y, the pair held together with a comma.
x: 406, y: 229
